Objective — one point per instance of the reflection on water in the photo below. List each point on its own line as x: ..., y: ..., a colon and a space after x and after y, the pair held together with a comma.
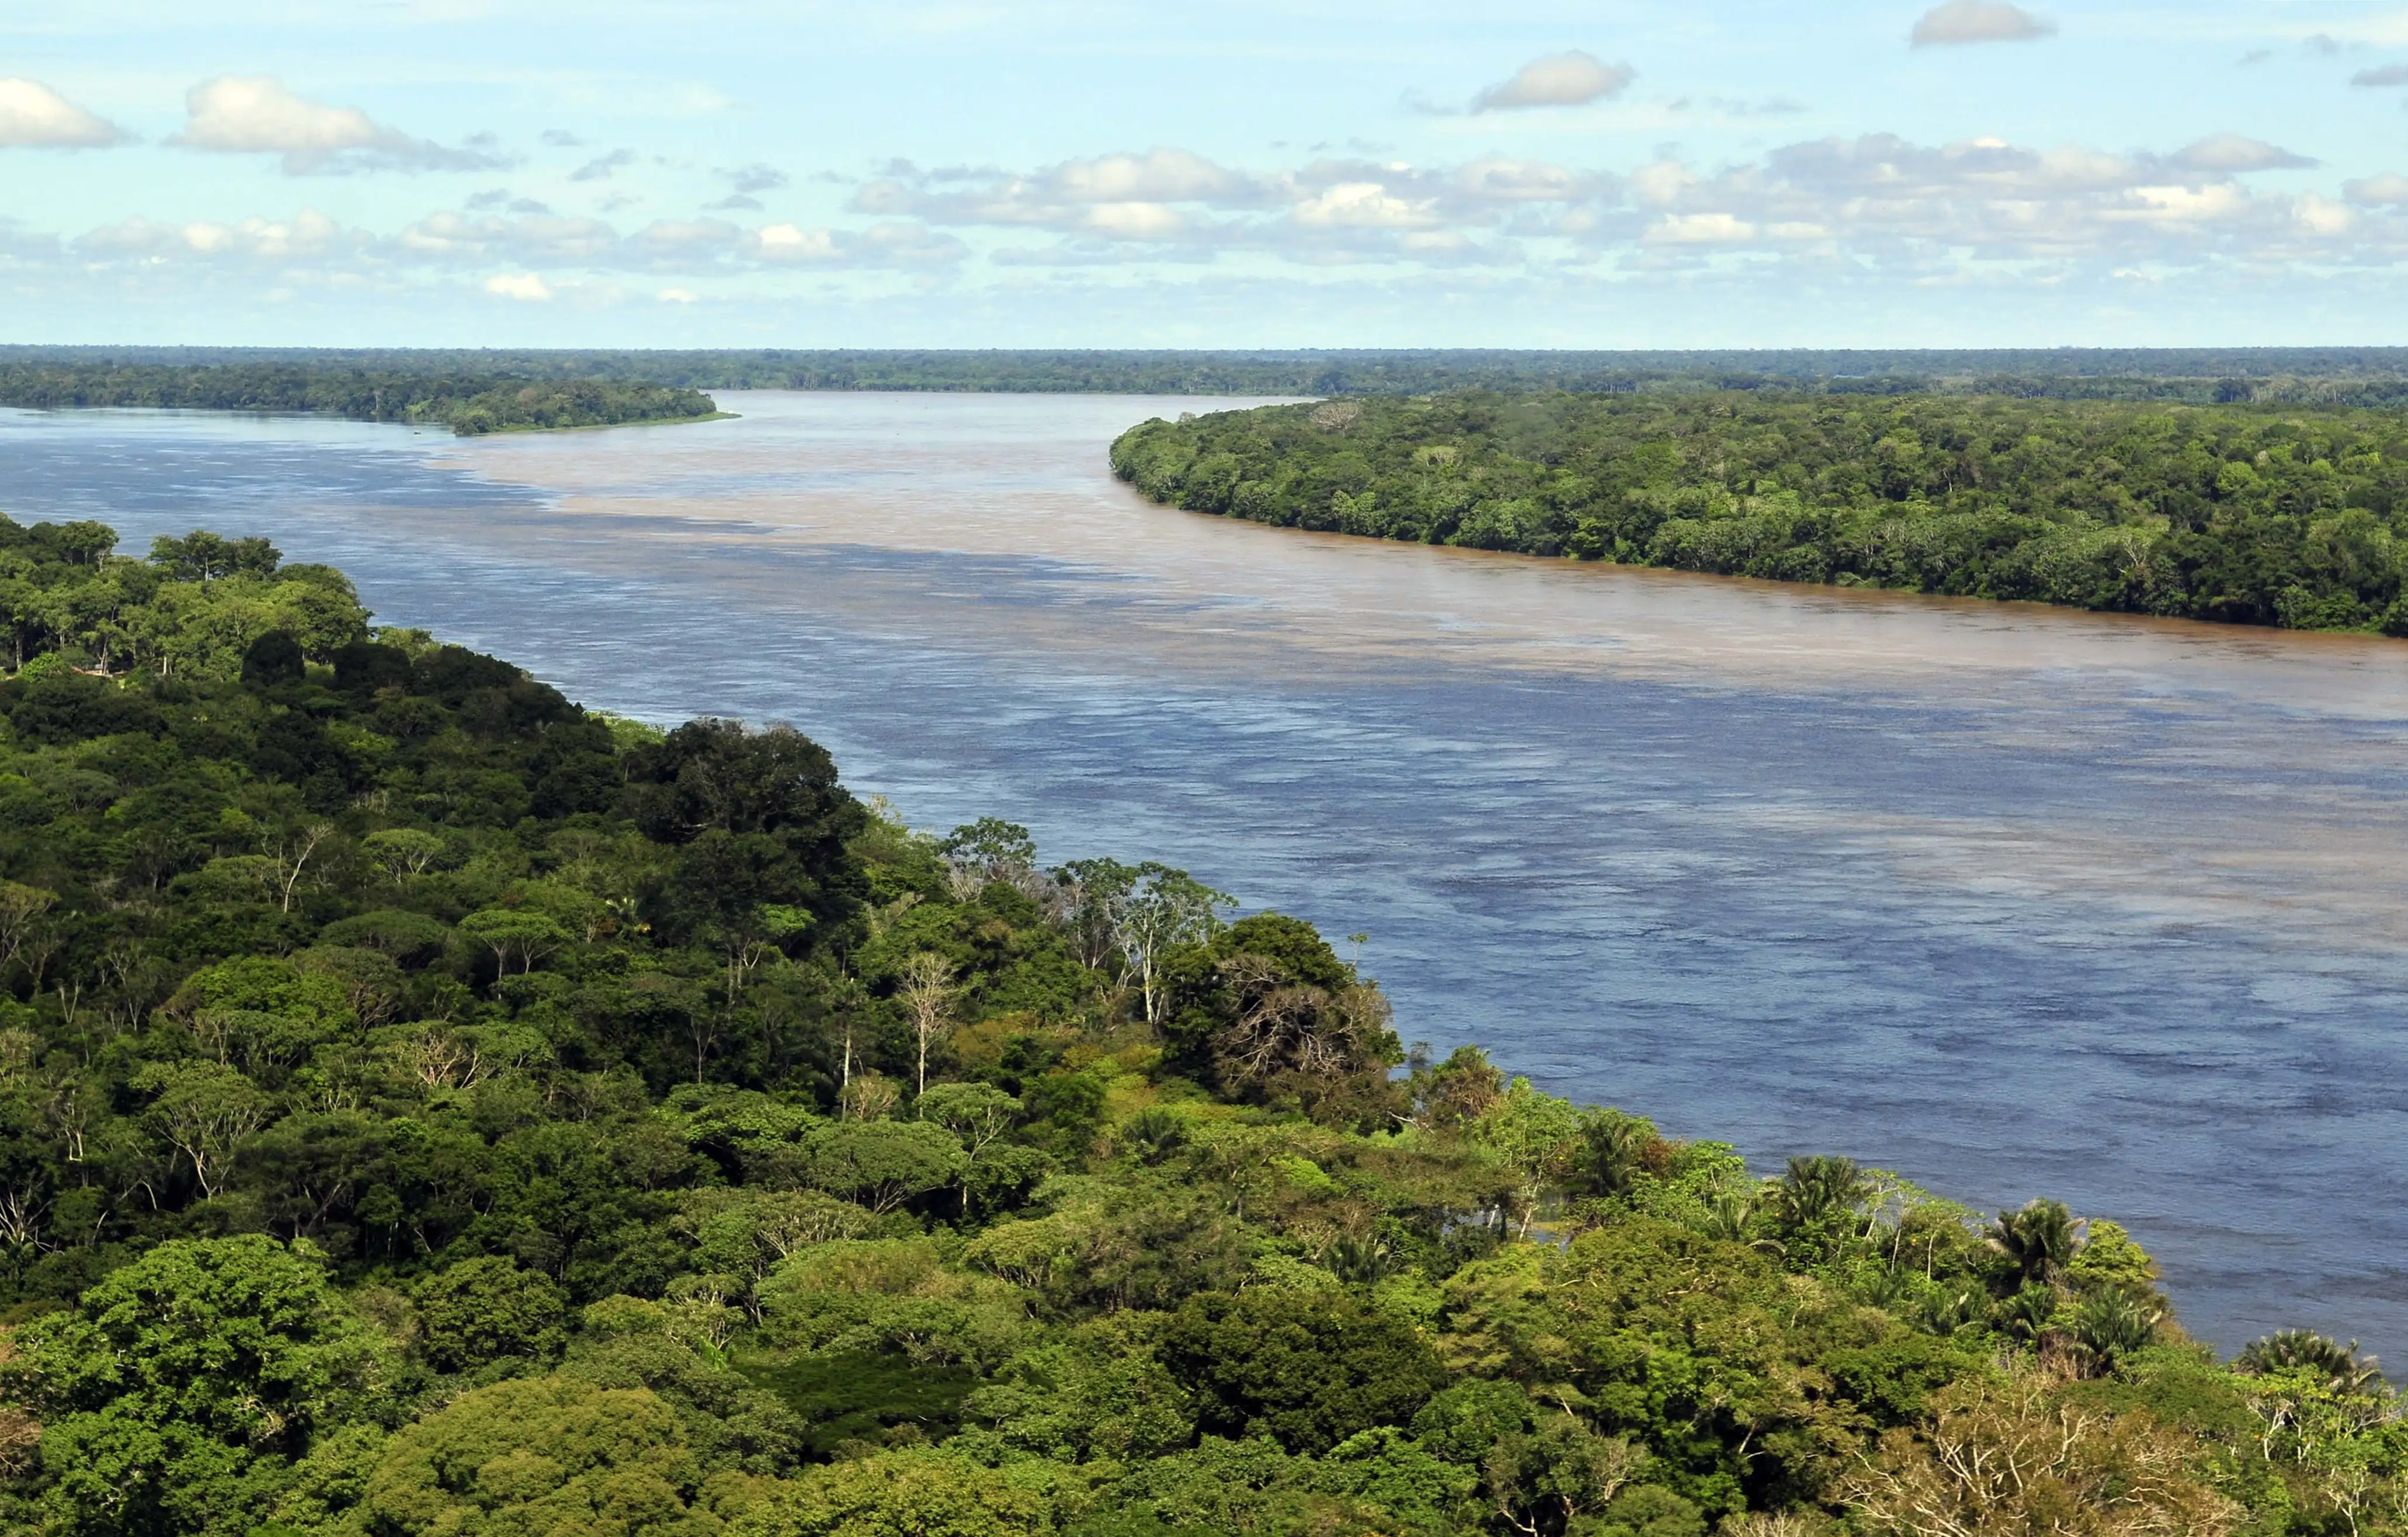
x: 2011, y: 900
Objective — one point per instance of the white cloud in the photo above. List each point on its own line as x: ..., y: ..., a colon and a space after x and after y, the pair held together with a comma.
x: 1699, y: 229
x: 463, y: 239
x: 1978, y: 21
x: 524, y: 287
x: 257, y: 115
x: 1366, y: 205
x: 2233, y: 152
x: 2322, y: 216
x: 1571, y: 78
x: 35, y: 116
x: 1879, y: 206
x: 309, y: 235
x: 601, y: 167
x: 678, y: 295
x: 881, y: 245
x: 2389, y: 189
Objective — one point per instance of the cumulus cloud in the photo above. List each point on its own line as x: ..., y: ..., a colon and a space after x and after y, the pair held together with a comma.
x: 2234, y: 153
x: 523, y: 287
x: 886, y: 245
x: 561, y: 139
x: 257, y: 115
x: 2376, y: 78
x: 549, y: 239
x: 35, y: 116
x: 309, y: 235
x: 1571, y: 78
x: 1978, y: 21
x: 1127, y: 196
x: 2389, y: 189
x: 1877, y: 204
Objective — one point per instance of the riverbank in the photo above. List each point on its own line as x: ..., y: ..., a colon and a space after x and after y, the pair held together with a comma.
x: 2019, y: 898
x: 485, y: 1082
x: 471, y: 404
x: 2234, y: 514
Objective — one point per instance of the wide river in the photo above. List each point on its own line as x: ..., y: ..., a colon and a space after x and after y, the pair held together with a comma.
x: 2009, y: 899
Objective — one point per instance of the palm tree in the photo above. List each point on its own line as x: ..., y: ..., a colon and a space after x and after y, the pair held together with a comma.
x: 2111, y: 1324
x: 2343, y: 1370
x: 2041, y: 1240
x: 2025, y: 1315
x: 1814, y: 1190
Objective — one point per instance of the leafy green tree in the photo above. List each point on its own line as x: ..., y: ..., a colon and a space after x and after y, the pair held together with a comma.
x: 550, y: 1456
x: 1308, y: 1369
x: 177, y: 1395
x: 882, y: 1164
x: 485, y: 1310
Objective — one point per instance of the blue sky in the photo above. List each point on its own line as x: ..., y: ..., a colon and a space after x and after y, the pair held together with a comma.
x: 1305, y: 173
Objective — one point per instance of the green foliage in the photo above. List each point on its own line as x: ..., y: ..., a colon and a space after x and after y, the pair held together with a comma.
x: 428, y: 1110
x: 469, y: 403
x: 1308, y: 1369
x: 2238, y: 513
x: 177, y: 1395
x: 2273, y: 375
x: 483, y: 1310
x: 548, y: 1458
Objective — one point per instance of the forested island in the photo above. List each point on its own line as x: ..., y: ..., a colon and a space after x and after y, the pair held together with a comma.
x: 2248, y: 514
x: 430, y: 1109
x: 471, y: 404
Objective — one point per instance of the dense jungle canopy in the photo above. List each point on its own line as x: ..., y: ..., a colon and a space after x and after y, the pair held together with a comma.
x: 468, y: 403
x: 2361, y: 376
x: 2245, y: 514
x: 431, y: 1109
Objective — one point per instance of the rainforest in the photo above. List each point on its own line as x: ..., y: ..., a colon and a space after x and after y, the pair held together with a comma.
x: 2239, y: 513
x: 429, y: 1107
x: 469, y: 403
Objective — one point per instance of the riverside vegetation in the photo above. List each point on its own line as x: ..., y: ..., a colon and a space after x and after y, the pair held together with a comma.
x: 2358, y: 376
x: 2238, y: 513
x: 469, y: 403
x: 429, y: 1109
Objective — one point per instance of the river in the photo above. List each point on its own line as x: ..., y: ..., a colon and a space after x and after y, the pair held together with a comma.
x: 2009, y: 899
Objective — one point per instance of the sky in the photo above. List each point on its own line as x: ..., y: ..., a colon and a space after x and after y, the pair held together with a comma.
x: 1289, y: 173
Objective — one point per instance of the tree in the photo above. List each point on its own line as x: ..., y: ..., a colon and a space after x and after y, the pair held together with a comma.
x: 2340, y: 1367
x: 1160, y: 909
x: 2011, y: 1458
x: 551, y: 1456
x: 20, y: 906
x: 926, y: 994
x: 986, y: 851
x: 882, y: 1164
x: 482, y: 1310
x: 900, y: 1494
x: 2041, y: 1240
x: 515, y: 934
x: 206, y: 1111
x: 978, y: 1115
x: 1538, y: 1137
x: 175, y: 1397
x: 403, y: 852
x: 1308, y: 1368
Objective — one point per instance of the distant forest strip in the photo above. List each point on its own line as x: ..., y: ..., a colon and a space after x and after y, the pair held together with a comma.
x: 2338, y: 376
x: 471, y: 404
x: 2241, y: 514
